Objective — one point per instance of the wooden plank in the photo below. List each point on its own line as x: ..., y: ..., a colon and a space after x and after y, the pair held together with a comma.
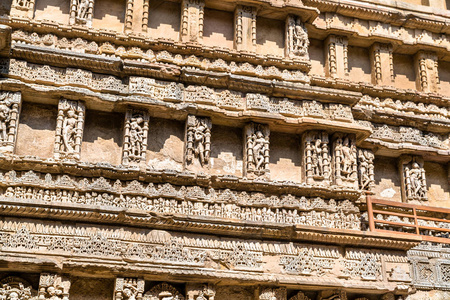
x: 390, y: 213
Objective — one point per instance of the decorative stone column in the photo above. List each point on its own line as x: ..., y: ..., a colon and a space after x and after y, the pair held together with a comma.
x: 10, y: 104
x: 427, y: 76
x: 69, y: 129
x: 336, y: 62
x: 81, y: 12
x: 344, y: 160
x: 22, y: 8
x: 129, y: 288
x: 297, y: 41
x: 414, y: 184
x: 316, y: 158
x: 135, y: 137
x: 256, y: 150
x: 382, y: 64
x: 192, y: 21
x: 53, y: 286
x: 245, y: 28
x: 366, y: 169
x: 198, y: 141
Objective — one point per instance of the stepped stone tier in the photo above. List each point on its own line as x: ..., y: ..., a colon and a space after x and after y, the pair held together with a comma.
x: 224, y: 150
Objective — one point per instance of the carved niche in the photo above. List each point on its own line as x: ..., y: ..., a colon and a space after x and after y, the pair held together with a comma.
x: 69, y: 129
x: 129, y: 289
x: 382, y: 64
x: 135, y: 137
x: 336, y: 63
x: 198, y: 291
x: 256, y: 150
x: 366, y: 169
x: 15, y: 288
x: 192, y: 21
x: 297, y: 41
x: 316, y: 157
x: 22, y: 8
x: 427, y: 76
x: 53, y: 287
x: 163, y: 291
x: 245, y: 28
x: 198, y: 141
x: 81, y: 12
x: 273, y: 293
x: 9, y: 118
x: 414, y: 184
x: 344, y: 160
x: 332, y: 295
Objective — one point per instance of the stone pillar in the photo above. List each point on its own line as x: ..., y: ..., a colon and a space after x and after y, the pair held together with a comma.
x: 256, y: 150
x: 336, y: 60
x: 198, y: 141
x: 81, y: 12
x: 129, y: 288
x: 53, y: 286
x: 414, y: 184
x: 135, y: 137
x: 22, y: 8
x: 344, y: 160
x: 192, y: 21
x: 297, y: 41
x: 382, y: 64
x: 10, y: 104
x: 427, y: 76
x: 245, y: 28
x: 69, y: 129
x: 316, y: 158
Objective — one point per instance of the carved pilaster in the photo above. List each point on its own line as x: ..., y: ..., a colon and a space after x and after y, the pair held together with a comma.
x: 10, y: 104
x: 129, y: 16
x: 198, y: 291
x: 317, y: 163
x: 414, y: 184
x: 366, y: 169
x: 336, y: 62
x: 192, y: 21
x: 245, y: 28
x: 344, y: 160
x: 129, y: 289
x: 427, y: 76
x: 135, y: 137
x: 145, y: 12
x: 272, y: 293
x: 297, y: 41
x: 256, y: 150
x: 81, y: 12
x: 382, y: 64
x: 198, y: 141
x: 69, y: 129
x: 22, y: 8
x: 54, y: 287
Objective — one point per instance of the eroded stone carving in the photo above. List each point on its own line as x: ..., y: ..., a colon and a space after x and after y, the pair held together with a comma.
x: 359, y: 264
x: 316, y: 157
x: 414, y: 185
x: 273, y: 293
x: 129, y: 289
x: 192, y: 20
x: 53, y: 287
x: 135, y: 137
x: 300, y: 296
x: 69, y: 129
x: 81, y: 12
x: 198, y: 140
x: 332, y: 295
x: 15, y: 288
x: 9, y: 117
x: 256, y: 150
x: 344, y: 158
x: 427, y: 76
x: 198, y: 291
x: 310, y: 262
x: 297, y: 41
x: 163, y: 291
x: 366, y: 169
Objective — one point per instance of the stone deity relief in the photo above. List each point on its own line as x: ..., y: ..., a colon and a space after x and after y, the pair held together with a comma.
x: 316, y: 158
x: 53, y: 287
x: 81, y: 12
x: 414, y: 184
x: 427, y: 76
x: 344, y: 160
x: 198, y: 141
x: 15, y: 288
x: 192, y: 21
x: 366, y: 169
x: 297, y: 41
x: 22, y: 8
x: 69, y: 129
x: 129, y: 289
x: 9, y: 117
x: 135, y: 137
x: 163, y: 291
x: 256, y: 150
x: 197, y: 291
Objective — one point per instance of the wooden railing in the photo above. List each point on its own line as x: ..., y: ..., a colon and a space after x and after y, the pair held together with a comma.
x: 431, y: 223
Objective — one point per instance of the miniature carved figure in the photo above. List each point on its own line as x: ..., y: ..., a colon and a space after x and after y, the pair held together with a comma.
x: 135, y: 137
x: 345, y: 165
x: 316, y: 155
x: 297, y: 42
x: 82, y: 9
x: 366, y: 169
x: 129, y: 289
x: 9, y: 113
x: 257, y: 149
x: 198, y: 140
x: 81, y: 12
x: 415, y: 177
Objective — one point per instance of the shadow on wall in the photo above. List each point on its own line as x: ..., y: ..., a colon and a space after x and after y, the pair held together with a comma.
x: 62, y: 5
x: 5, y: 7
x: 91, y: 288
x: 164, y: 13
